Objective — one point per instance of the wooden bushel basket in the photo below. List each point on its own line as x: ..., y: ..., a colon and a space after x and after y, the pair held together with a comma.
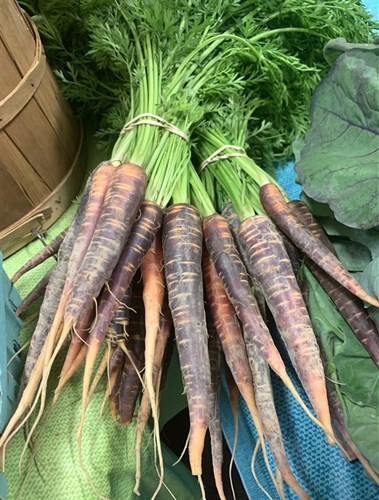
x: 40, y: 141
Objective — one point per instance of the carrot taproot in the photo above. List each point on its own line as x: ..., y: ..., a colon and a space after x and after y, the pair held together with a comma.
x: 118, y: 326
x: 53, y: 292
x: 102, y: 367
x: 231, y: 271
x: 153, y: 296
x: 141, y: 237
x: 182, y: 252
x: 46, y: 252
x: 233, y: 393
x: 161, y: 353
x: 346, y: 444
x: 76, y: 352
x: 215, y: 431
x: 36, y: 293
x: 116, y: 335
x: 338, y: 423
x: 276, y: 207
x: 100, y: 181
x: 351, y: 308
x: 130, y: 383
x: 233, y: 345
x: 109, y: 183
x: 234, y: 223
x: 78, y: 339
x: 273, y: 269
x: 120, y: 208
x: 270, y: 422
x: 112, y: 207
x: 116, y: 365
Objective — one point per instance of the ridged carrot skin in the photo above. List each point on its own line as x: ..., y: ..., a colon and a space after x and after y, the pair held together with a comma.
x: 54, y: 290
x: 243, y: 360
x: 118, y: 327
x: 141, y: 237
x: 182, y: 251
x: 116, y: 366
x: 130, y: 384
x: 276, y: 207
x: 89, y: 209
x: 37, y: 292
x: 225, y: 256
x: 351, y: 308
x: 273, y: 269
x: 35, y: 360
x: 234, y: 223
x: 228, y: 330
x: 45, y: 252
x: 121, y: 205
x: 101, y: 178
x: 302, y: 212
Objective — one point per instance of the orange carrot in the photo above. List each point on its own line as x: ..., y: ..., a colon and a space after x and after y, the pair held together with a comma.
x: 276, y: 207
x: 153, y: 296
x: 160, y: 356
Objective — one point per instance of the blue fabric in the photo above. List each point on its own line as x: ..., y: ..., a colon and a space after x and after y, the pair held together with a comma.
x: 319, y: 467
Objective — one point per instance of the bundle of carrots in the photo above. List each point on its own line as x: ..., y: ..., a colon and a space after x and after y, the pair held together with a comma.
x: 181, y: 232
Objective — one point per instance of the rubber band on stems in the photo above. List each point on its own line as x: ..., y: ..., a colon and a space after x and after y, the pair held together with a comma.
x: 217, y: 156
x: 156, y: 121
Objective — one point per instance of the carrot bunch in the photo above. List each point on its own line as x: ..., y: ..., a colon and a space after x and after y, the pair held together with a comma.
x: 152, y: 249
x: 170, y: 265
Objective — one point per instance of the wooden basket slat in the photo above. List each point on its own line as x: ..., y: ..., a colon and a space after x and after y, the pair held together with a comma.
x: 35, y: 189
x: 58, y: 113
x: 9, y: 75
x: 16, y: 35
x: 28, y: 132
x: 17, y: 204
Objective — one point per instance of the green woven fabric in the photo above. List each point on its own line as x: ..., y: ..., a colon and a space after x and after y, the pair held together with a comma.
x: 107, y: 449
